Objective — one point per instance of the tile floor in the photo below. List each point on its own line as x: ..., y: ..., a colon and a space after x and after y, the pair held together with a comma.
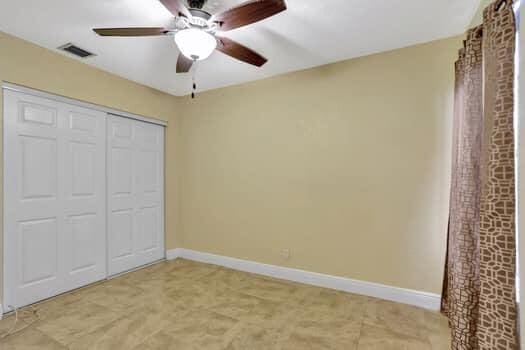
x: 187, y: 305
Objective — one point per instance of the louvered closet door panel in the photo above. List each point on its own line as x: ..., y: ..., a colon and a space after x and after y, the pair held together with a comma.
x: 135, y: 193
x: 54, y: 190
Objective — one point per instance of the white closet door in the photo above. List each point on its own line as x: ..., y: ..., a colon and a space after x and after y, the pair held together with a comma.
x: 135, y: 193
x: 54, y: 188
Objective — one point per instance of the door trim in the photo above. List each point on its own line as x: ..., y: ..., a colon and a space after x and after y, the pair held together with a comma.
x: 79, y: 103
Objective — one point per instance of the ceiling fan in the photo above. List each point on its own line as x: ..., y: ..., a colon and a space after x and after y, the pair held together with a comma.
x: 195, y: 31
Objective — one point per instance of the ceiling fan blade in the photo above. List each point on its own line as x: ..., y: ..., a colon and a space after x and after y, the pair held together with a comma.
x: 176, y: 7
x: 183, y: 64
x: 240, y: 52
x: 130, y: 31
x: 248, y: 13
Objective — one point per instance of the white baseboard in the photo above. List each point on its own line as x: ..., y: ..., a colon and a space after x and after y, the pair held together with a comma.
x: 406, y: 296
x: 173, y: 254
x: 1, y: 311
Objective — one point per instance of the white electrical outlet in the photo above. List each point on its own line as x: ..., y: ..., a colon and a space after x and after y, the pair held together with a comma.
x: 285, y: 253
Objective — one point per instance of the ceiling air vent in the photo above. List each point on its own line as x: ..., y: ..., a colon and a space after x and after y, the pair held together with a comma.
x: 75, y: 50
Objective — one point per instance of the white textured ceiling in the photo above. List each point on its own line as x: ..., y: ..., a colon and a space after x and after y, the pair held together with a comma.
x: 309, y: 33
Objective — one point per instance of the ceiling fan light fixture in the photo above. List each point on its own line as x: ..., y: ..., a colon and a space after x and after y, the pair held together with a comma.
x: 195, y: 44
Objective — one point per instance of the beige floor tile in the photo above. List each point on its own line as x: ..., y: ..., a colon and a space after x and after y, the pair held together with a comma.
x: 269, y: 289
x: 234, y: 304
x: 191, y: 270
x: 255, y: 338
x: 112, y: 295
x: 76, y: 322
x: 300, y: 340
x: 335, y: 304
x: 376, y: 338
x: 8, y: 324
x: 223, y: 278
x: 329, y: 327
x: 200, y: 329
x: 270, y: 314
x: 186, y: 305
x: 55, y: 307
x: 201, y: 325
x: 164, y: 341
x: 126, y: 332
x: 192, y: 295
x: 30, y: 339
x: 404, y: 319
x: 440, y: 342
x: 438, y: 330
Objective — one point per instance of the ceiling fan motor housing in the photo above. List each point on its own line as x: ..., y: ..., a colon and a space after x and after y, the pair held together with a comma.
x: 200, y: 14
x: 197, y: 4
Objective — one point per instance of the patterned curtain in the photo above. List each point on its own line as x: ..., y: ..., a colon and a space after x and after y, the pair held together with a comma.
x: 479, y: 295
x: 462, y: 282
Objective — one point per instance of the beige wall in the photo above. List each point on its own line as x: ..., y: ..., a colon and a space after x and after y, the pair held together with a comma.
x: 347, y: 165
x: 32, y: 66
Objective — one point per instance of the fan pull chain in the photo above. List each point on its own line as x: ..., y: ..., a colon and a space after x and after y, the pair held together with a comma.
x: 194, y: 85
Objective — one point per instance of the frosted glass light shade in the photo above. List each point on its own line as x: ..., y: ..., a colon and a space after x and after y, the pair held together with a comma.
x: 195, y: 44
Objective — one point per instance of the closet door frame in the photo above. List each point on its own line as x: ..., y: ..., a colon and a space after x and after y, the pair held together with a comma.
x: 80, y: 103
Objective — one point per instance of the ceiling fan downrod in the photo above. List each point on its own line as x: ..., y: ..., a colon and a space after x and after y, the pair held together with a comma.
x: 197, y: 4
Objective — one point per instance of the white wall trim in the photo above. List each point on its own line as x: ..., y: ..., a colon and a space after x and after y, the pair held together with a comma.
x: 173, y: 254
x: 400, y: 295
x: 79, y: 103
x: 1, y: 312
